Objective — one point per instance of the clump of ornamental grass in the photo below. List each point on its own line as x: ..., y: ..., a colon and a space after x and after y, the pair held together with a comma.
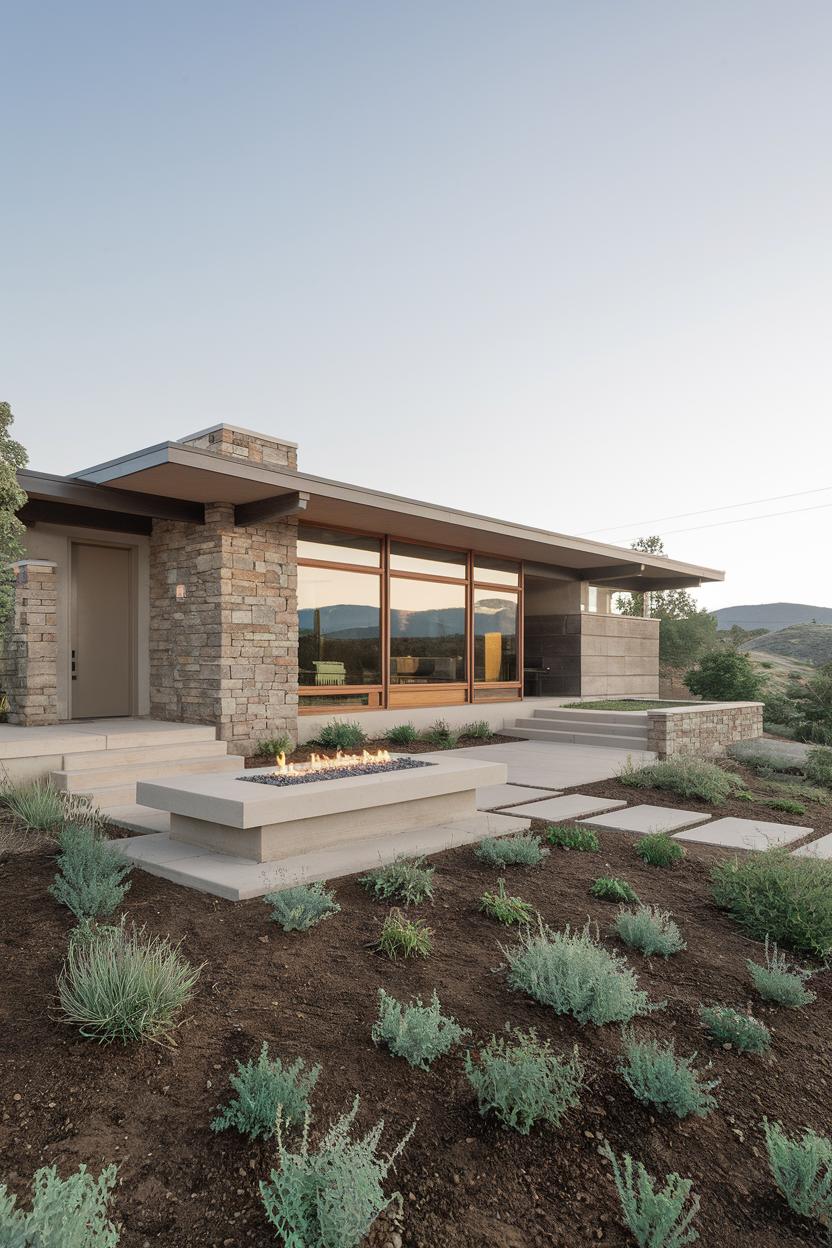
x: 303, y: 906
x: 656, y: 1217
x: 329, y: 1196
x: 779, y: 980
x: 117, y: 983
x: 479, y: 729
x: 520, y: 850
x: 573, y: 973
x: 340, y: 735
x: 405, y: 938
x: 264, y: 1088
x: 441, y: 736
x: 658, y: 849
x: 506, y: 909
x: 611, y: 888
x: 688, y: 776
x: 783, y: 896
x: 280, y: 743
x: 419, y: 1033
x: 802, y: 1170
x: 40, y: 807
x: 403, y: 734
x: 650, y: 930
x: 407, y: 880
x: 571, y: 836
x: 656, y: 1076
x: 522, y: 1081
x: 65, y: 1213
x: 92, y: 875
x: 741, y: 1031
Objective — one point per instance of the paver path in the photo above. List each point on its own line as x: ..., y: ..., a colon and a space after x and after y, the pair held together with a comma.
x: 492, y: 796
x: 567, y: 806
x: 733, y: 833
x: 643, y: 819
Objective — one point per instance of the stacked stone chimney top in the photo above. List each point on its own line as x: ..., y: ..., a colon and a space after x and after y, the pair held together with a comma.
x: 245, y: 444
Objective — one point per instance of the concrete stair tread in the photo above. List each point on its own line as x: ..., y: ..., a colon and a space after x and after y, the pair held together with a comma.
x: 96, y: 759
x: 562, y: 724
x: 577, y: 738
x: 91, y: 778
x: 141, y: 819
x: 631, y: 718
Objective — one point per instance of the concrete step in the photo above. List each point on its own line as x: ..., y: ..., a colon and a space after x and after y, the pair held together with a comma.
x: 92, y: 778
x: 130, y: 734
x: 563, y: 724
x: 143, y: 819
x: 577, y: 738
x: 97, y: 759
x: 108, y: 795
x: 608, y: 717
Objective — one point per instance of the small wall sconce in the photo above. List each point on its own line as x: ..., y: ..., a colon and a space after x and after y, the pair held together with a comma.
x: 181, y: 592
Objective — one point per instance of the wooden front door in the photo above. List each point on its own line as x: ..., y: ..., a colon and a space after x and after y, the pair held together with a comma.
x: 101, y: 631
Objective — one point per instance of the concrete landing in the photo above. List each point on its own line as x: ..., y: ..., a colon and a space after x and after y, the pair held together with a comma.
x: 551, y: 764
x: 732, y: 833
x: 567, y: 806
x: 141, y: 819
x: 644, y: 819
x: 491, y: 796
x: 238, y: 879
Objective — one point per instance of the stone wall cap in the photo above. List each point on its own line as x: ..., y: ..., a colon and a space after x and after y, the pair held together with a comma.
x: 32, y: 563
x: 252, y: 433
x: 702, y: 708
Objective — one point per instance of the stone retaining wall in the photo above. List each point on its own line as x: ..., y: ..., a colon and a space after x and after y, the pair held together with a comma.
x: 704, y: 730
x: 29, y: 661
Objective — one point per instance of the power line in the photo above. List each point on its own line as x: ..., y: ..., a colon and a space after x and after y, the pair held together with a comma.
x: 795, y: 511
x: 683, y: 515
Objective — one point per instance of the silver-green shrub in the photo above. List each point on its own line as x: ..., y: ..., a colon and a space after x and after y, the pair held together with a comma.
x: 301, y: 907
x: 574, y: 974
x: 655, y: 1217
x: 521, y: 850
x: 687, y: 775
x: 330, y: 1196
x: 746, y: 1034
x: 802, y: 1169
x: 649, y: 929
x: 65, y: 1213
x: 656, y: 1076
x: 263, y: 1089
x: 407, y: 880
x: 779, y: 980
x: 91, y: 879
x: 419, y: 1033
x: 522, y: 1081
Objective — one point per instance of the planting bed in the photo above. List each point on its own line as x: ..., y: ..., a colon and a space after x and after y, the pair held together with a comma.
x: 304, y: 752
x: 465, y: 1182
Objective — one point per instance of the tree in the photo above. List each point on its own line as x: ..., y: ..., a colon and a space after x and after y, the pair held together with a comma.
x: 12, y: 498
x: 687, y: 631
x: 725, y: 676
x: 814, y: 707
x: 665, y: 604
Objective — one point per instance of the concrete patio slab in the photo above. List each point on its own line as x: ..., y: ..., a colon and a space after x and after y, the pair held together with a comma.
x: 491, y: 796
x: 732, y: 833
x: 644, y: 819
x: 821, y: 848
x: 554, y: 764
x: 139, y: 818
x: 567, y: 806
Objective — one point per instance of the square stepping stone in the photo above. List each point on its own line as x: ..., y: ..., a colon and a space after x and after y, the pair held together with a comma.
x: 567, y: 806
x: 643, y: 819
x: 490, y: 796
x: 821, y: 848
x: 735, y: 833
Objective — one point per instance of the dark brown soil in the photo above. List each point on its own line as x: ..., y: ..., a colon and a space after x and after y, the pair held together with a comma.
x: 305, y: 752
x: 465, y: 1182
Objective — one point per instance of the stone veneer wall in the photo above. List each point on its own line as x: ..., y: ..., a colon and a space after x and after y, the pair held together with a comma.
x: 705, y: 730
x: 29, y: 660
x: 240, y: 444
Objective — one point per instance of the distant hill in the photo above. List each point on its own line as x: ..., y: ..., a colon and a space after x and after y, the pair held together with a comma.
x: 772, y: 615
x: 807, y: 643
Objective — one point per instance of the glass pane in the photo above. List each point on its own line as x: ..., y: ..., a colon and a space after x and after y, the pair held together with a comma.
x: 495, y: 635
x: 338, y: 547
x: 427, y: 632
x: 496, y: 571
x: 339, y: 614
x: 427, y: 560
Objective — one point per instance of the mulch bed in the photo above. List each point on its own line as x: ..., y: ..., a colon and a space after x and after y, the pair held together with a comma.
x: 465, y: 1183
x: 304, y: 752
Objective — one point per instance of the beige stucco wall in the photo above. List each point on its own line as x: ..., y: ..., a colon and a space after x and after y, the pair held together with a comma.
x: 619, y: 655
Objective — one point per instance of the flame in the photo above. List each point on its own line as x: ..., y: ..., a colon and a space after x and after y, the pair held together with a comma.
x: 323, y: 762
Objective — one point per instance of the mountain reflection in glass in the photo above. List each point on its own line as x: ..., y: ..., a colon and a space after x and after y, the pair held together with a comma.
x: 495, y: 635
x: 339, y: 616
x: 427, y: 632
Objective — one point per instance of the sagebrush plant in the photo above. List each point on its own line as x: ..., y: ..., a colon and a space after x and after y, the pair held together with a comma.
x: 301, y: 907
x: 118, y: 983
x: 571, y: 972
x: 417, y: 1032
x: 570, y: 836
x: 340, y: 735
x: 263, y: 1088
x: 504, y: 908
x: 818, y: 767
x: 403, y: 734
x: 479, y: 729
x: 741, y: 1031
x: 687, y: 775
x: 92, y: 875
x: 522, y: 1081
x: 649, y: 929
x: 658, y: 849
x: 783, y: 896
x: 520, y: 850
x: 281, y: 743
x: 612, y: 888
x: 405, y: 938
x: 408, y: 880
x: 657, y: 1076
x: 330, y: 1196
x: 780, y: 981
x: 65, y: 1213
x: 656, y: 1217
x: 802, y: 1169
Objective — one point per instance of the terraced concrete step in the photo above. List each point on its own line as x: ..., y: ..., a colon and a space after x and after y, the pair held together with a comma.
x: 608, y: 717
x: 562, y: 723
x: 127, y: 734
x: 577, y: 738
x: 95, y: 759
x: 95, y: 777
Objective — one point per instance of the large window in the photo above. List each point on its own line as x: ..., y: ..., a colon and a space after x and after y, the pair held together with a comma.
x: 427, y: 632
x: 339, y: 614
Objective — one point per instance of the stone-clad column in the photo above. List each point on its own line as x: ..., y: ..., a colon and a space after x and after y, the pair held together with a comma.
x: 29, y: 662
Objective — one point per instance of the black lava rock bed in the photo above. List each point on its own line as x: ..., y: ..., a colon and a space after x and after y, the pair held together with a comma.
x: 339, y: 773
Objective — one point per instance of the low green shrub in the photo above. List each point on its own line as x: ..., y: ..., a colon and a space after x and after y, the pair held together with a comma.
x: 656, y: 1076
x: 686, y: 775
x: 479, y: 729
x: 727, y: 1026
x: 407, y: 880
x: 406, y: 938
x: 818, y: 766
x: 329, y: 1197
x: 797, y: 790
x: 281, y: 743
x: 611, y: 888
x: 520, y: 850
x: 340, y: 734
x: 571, y: 836
x: 419, y: 1033
x: 650, y: 930
x: 779, y: 981
x: 775, y: 894
x: 119, y: 984
x: 441, y: 736
x: 574, y: 974
x: 802, y: 1169
x: 655, y: 1217
x: 786, y: 804
x: 403, y: 734
x: 725, y: 675
x: 92, y: 876
x: 263, y: 1088
x: 522, y: 1081
x: 298, y: 908
x: 65, y: 1213
x: 659, y: 849
x: 814, y: 707
x: 506, y: 909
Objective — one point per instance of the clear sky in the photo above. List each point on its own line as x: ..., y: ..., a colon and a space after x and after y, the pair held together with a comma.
x: 567, y: 264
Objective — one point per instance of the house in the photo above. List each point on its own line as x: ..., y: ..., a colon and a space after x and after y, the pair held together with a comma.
x: 209, y: 581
